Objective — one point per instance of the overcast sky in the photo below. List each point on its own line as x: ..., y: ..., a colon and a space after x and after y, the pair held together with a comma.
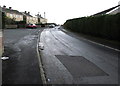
x: 59, y: 11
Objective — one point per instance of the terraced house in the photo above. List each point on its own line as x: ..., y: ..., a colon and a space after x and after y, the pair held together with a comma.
x: 29, y: 18
x: 34, y: 20
x: 13, y: 14
x: 21, y: 16
x: 116, y: 10
x: 41, y: 19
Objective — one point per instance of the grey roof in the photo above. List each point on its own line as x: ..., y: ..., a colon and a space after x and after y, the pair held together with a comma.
x: 26, y: 14
x: 106, y: 11
x: 115, y: 11
x: 39, y: 16
x: 11, y: 11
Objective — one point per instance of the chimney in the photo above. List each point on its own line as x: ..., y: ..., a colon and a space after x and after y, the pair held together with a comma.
x: 25, y: 12
x: 10, y: 8
x: 37, y: 15
x: 4, y: 6
x: 28, y: 12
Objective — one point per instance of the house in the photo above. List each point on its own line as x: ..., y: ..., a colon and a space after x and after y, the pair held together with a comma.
x: 13, y: 14
x: 113, y: 10
x: 29, y: 18
x: 41, y: 20
x: 35, y: 20
x: 117, y: 10
x: 22, y: 17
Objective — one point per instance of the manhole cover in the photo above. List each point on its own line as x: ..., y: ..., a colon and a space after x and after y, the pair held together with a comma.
x: 78, y: 66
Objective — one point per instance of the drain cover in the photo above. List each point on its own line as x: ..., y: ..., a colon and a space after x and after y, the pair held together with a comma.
x: 79, y: 66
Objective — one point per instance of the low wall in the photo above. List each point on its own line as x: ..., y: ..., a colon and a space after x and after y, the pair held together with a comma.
x: 11, y: 26
x: 38, y: 26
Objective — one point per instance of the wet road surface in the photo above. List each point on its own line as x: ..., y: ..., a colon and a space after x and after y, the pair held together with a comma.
x: 23, y: 66
x: 68, y: 60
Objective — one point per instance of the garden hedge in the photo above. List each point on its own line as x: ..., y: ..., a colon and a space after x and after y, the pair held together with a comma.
x: 105, y: 26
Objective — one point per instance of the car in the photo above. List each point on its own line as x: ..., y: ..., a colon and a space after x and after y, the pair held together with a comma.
x: 31, y: 26
x: 51, y: 26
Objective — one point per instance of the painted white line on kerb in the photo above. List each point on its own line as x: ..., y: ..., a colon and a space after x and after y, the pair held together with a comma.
x: 102, y: 45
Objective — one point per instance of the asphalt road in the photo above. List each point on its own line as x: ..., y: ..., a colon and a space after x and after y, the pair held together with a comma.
x: 22, y: 67
x: 69, y: 60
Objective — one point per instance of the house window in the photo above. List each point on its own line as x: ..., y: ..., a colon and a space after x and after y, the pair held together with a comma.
x: 20, y: 16
x: 11, y: 15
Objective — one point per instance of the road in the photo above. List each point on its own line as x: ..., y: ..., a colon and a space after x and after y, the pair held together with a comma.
x: 22, y: 67
x: 69, y: 60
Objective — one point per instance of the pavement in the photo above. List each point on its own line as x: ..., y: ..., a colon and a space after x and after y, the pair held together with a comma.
x: 22, y: 67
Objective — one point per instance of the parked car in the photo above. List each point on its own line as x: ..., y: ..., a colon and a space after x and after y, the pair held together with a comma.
x: 42, y: 25
x: 31, y: 26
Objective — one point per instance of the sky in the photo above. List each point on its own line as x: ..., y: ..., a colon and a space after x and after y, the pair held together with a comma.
x: 58, y: 11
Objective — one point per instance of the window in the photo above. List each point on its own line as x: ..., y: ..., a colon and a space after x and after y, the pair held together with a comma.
x: 11, y: 15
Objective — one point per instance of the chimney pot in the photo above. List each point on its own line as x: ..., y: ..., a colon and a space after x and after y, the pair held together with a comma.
x: 10, y: 7
x: 28, y: 12
x: 4, y: 6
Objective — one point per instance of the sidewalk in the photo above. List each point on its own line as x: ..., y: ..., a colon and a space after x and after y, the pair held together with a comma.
x: 22, y: 67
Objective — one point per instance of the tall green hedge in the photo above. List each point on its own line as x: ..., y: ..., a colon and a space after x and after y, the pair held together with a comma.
x: 106, y: 26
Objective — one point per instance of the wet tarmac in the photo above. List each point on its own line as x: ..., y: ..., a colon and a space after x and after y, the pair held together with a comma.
x: 22, y: 67
x: 63, y: 64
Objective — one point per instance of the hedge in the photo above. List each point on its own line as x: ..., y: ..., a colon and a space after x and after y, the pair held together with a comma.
x: 105, y: 26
